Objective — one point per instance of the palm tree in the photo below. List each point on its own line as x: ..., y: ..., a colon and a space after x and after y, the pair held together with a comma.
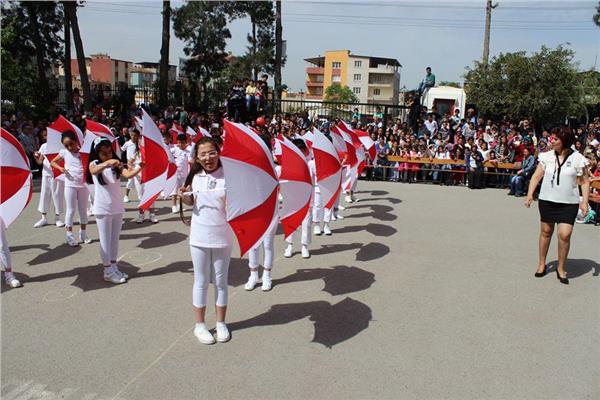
x: 164, y: 55
x: 71, y: 11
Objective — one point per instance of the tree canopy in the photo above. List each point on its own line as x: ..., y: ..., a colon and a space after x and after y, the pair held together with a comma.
x: 542, y: 86
x: 340, y: 94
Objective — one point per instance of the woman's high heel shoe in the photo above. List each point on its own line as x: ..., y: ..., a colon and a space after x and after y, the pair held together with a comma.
x: 564, y: 281
x: 541, y: 274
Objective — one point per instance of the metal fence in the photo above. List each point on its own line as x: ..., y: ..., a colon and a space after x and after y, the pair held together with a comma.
x: 327, y: 109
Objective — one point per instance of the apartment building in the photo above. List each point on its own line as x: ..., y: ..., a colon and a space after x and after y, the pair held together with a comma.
x: 372, y: 79
x: 101, y: 69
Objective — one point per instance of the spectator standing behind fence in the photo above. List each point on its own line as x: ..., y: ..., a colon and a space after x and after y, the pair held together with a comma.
x: 262, y: 87
x: 560, y: 171
x: 250, y: 95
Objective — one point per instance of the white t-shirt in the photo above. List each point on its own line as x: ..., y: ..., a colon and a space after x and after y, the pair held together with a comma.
x: 431, y: 126
x: 46, y: 167
x: 73, y: 168
x: 133, y: 155
x: 566, y: 191
x: 108, y: 199
x: 209, y: 227
x: 127, y: 145
x: 182, y: 160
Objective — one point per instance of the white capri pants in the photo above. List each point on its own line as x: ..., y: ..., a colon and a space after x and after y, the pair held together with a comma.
x: 209, y: 262
x: 306, y: 231
x: 76, y: 198
x: 5, y: 259
x: 109, y: 230
x: 319, y: 212
x: 268, y: 244
x: 52, y: 189
x: 137, y: 182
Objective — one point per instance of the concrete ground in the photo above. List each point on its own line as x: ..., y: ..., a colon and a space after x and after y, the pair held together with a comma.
x: 422, y: 292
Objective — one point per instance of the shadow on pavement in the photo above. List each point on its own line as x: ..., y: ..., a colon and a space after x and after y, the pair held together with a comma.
x: 334, y: 248
x: 55, y: 254
x: 338, y: 280
x: 374, y: 192
x: 155, y: 239
x: 392, y: 200
x: 372, y: 251
x: 577, y: 267
x: 382, y: 213
x: 333, y: 324
x: 374, y: 229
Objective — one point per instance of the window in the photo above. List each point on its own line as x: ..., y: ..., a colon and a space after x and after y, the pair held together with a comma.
x: 357, y: 77
x: 357, y: 64
x: 336, y: 78
x: 336, y: 65
x: 356, y: 90
x: 376, y: 92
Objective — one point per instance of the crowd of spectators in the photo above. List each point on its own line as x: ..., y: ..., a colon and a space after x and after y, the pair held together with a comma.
x: 479, y: 152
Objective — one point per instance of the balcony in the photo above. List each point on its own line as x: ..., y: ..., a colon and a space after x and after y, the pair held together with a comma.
x: 314, y: 84
x: 383, y: 69
x: 315, y: 70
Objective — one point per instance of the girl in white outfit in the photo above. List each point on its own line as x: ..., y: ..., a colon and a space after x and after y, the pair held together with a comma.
x: 104, y: 172
x: 211, y: 238
x: 181, y: 153
x: 268, y: 247
x: 134, y: 160
x: 52, y: 189
x: 320, y: 213
x: 306, y: 238
x: 76, y: 194
x: 5, y: 259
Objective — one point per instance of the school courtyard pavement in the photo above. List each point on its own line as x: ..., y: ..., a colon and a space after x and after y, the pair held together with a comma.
x: 423, y: 292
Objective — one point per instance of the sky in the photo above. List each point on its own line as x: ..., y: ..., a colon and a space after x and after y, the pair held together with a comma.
x: 446, y: 35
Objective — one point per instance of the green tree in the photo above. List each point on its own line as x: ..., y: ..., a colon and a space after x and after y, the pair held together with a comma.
x: 202, y: 25
x: 31, y: 46
x: 451, y: 84
x: 597, y: 15
x: 517, y: 85
x: 337, y: 93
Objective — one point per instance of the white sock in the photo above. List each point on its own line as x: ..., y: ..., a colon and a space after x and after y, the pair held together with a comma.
x: 69, y: 233
x: 266, y: 274
x: 289, y: 246
x: 110, y: 269
x: 43, y: 218
x: 304, y: 246
x: 82, y: 233
x: 200, y: 326
x: 254, y: 275
x: 221, y: 324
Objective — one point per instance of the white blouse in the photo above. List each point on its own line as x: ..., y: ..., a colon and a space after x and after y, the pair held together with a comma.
x: 108, y: 199
x: 73, y: 169
x: 209, y: 227
x: 46, y: 167
x: 561, y: 188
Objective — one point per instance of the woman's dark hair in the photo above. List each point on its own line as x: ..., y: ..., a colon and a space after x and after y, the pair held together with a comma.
x: 300, y: 143
x: 137, y: 146
x: 196, y: 166
x: 182, y: 136
x: 566, y: 136
x: 68, y: 135
x: 94, y: 156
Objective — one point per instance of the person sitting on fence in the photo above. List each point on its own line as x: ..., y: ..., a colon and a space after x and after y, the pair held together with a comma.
x: 427, y: 82
x: 519, y: 181
x: 250, y: 96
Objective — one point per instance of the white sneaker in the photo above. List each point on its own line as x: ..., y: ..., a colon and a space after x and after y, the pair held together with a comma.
x: 59, y: 223
x: 40, y: 223
x: 123, y: 274
x: 252, y: 281
x: 83, y: 237
x: 348, y: 199
x: 114, y: 276
x: 288, y: 251
x: 71, y: 241
x: 327, y: 230
x: 333, y: 217
x: 340, y: 207
x: 10, y: 280
x: 267, y: 284
x: 317, y: 230
x: 153, y: 218
x: 139, y: 219
x: 126, y: 199
x: 203, y: 335
x: 339, y: 217
x: 222, y: 333
x: 305, y: 252
x: 175, y: 209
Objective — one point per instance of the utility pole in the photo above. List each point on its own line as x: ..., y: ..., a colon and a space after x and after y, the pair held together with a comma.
x: 488, y: 21
x: 278, y: 56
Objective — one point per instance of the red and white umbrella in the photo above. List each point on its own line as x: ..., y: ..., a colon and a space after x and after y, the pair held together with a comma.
x: 156, y: 160
x: 367, y: 142
x: 296, y: 186
x: 54, y: 140
x: 329, y: 168
x: 202, y: 133
x: 338, y: 141
x: 251, y: 184
x: 15, y: 178
x: 308, y: 138
x: 176, y: 130
x: 170, y: 186
x: 94, y: 130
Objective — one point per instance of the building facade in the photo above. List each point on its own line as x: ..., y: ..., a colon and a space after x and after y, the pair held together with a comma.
x: 147, y: 73
x: 372, y: 79
x: 101, y: 70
